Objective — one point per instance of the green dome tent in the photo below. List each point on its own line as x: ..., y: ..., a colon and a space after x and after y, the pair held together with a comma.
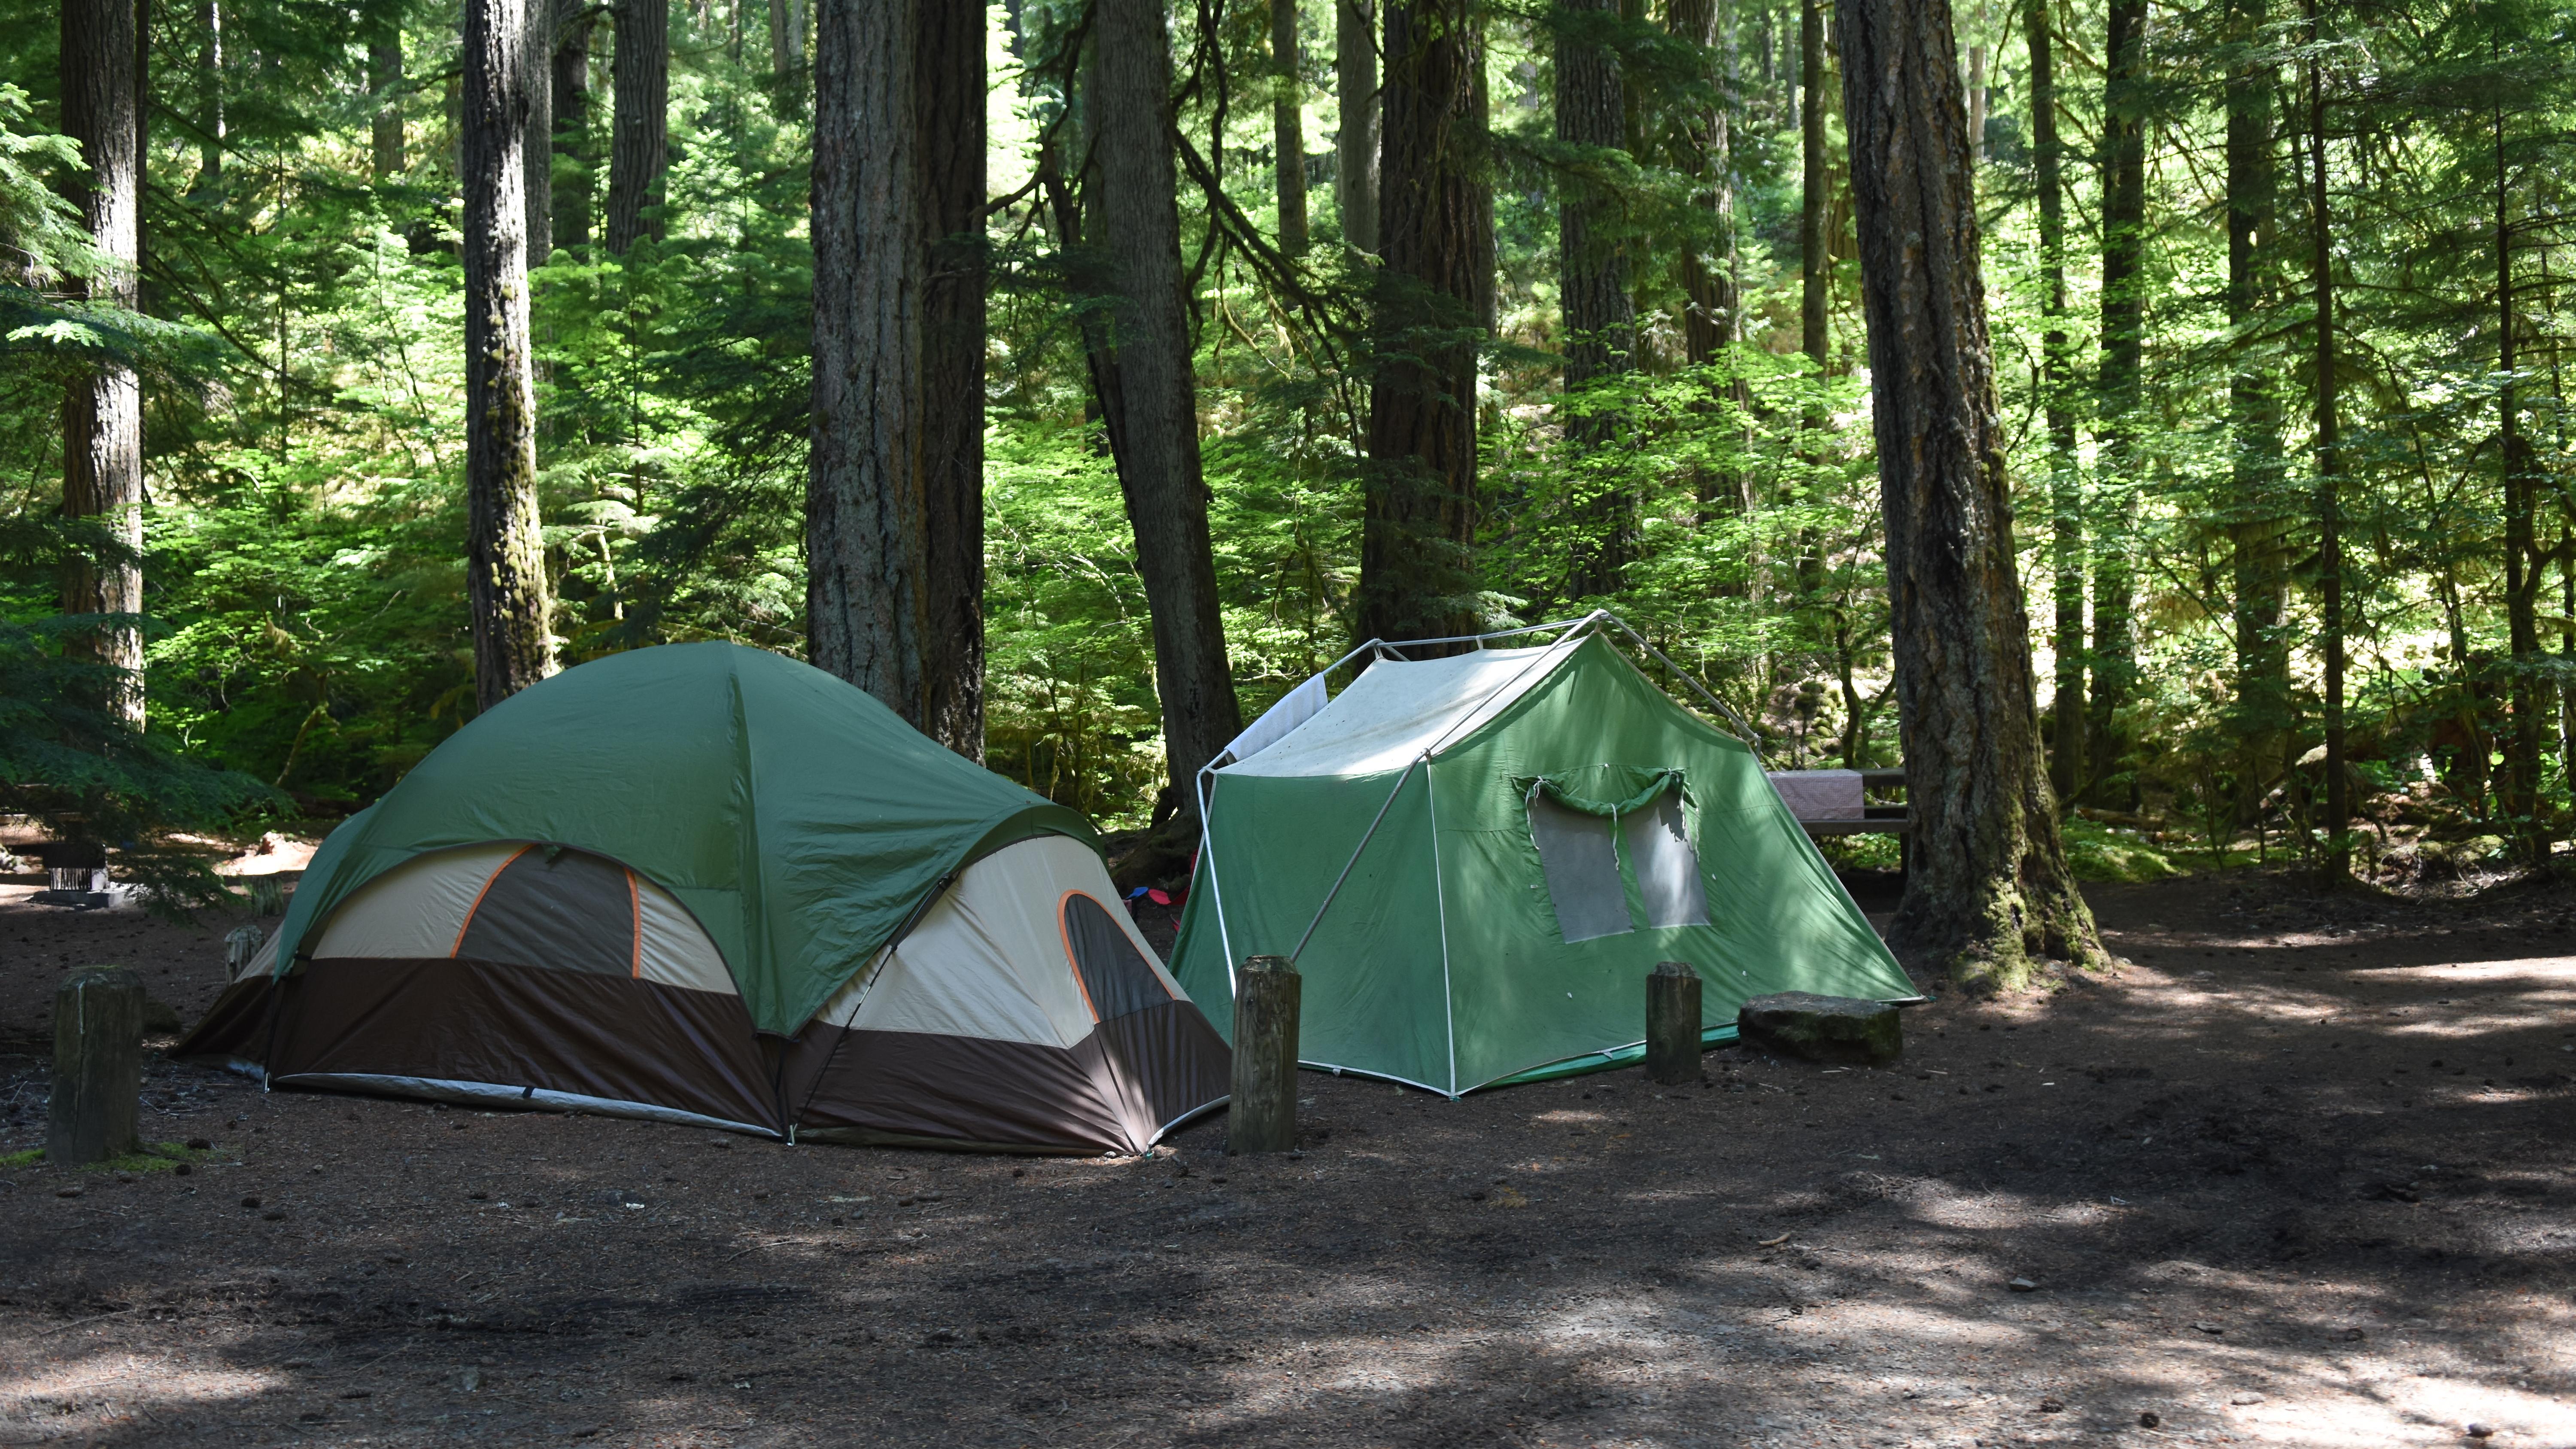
x: 1519, y: 835
x: 709, y: 883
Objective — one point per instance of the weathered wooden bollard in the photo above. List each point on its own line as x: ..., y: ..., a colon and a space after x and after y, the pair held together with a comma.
x: 1672, y: 1024
x: 98, y: 1066
x: 239, y: 947
x: 1262, y: 1117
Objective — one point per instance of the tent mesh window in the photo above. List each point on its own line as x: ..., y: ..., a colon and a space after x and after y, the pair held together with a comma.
x: 1667, y: 869
x: 1114, y: 977
x: 1582, y: 867
x: 565, y: 909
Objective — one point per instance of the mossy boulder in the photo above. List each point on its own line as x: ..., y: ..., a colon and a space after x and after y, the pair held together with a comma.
x: 1813, y: 1028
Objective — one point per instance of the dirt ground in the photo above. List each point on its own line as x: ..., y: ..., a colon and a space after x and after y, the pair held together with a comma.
x: 2303, y: 1173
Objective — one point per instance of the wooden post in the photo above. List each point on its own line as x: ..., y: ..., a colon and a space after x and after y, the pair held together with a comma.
x: 1262, y: 1117
x: 1672, y: 1024
x: 239, y: 947
x: 98, y: 1066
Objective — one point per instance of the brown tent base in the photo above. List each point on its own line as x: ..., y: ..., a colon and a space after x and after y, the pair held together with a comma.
x: 497, y: 1035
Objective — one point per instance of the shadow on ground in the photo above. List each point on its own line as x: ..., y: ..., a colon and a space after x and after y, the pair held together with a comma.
x: 2300, y: 1175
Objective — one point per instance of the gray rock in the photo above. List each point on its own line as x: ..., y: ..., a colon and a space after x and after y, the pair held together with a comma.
x: 1822, y: 1028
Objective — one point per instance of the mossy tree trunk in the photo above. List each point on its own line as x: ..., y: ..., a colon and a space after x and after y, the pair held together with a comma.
x: 1990, y: 888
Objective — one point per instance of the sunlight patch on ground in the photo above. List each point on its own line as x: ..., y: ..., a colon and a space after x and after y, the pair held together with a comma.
x: 115, y: 1385
x: 2455, y: 1403
x: 1570, y: 1117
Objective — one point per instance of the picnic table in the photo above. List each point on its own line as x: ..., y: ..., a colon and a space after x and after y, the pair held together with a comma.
x: 1835, y: 802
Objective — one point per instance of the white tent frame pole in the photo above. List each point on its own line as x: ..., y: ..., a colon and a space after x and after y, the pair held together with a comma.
x: 1744, y: 731
x: 1207, y: 849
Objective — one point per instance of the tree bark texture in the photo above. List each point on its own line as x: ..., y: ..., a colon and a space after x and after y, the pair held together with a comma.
x: 2329, y: 445
x: 1815, y: 296
x: 505, y: 564
x: 385, y: 77
x: 538, y: 165
x: 573, y: 165
x: 210, y: 95
x: 1989, y: 884
x: 949, y: 99
x: 1419, y: 512
x: 1355, y: 180
x: 1591, y: 118
x: 1592, y: 275
x: 1142, y: 373
x: 2258, y: 533
x: 786, y: 36
x: 2057, y: 377
x: 1288, y: 126
x: 639, y: 144
x: 1707, y: 271
x: 2523, y: 560
x: 1487, y: 298
x: 894, y: 494
x: 2124, y: 206
x: 103, y: 412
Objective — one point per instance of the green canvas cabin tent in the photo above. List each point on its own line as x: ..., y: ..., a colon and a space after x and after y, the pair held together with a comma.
x: 1519, y: 836
x: 706, y: 884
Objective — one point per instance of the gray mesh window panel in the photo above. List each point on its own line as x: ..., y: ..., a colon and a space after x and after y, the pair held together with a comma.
x: 1115, y: 978
x: 1582, y: 869
x: 1659, y: 851
x: 565, y: 909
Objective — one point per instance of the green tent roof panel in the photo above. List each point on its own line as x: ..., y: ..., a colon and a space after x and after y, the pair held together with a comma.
x: 796, y: 817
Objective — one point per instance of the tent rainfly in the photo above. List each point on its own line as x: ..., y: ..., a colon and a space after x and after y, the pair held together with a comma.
x: 706, y: 884
x: 1476, y: 860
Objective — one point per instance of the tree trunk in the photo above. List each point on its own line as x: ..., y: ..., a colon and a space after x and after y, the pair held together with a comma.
x: 2522, y: 559
x: 2124, y: 206
x: 1989, y: 884
x: 1815, y: 295
x: 2057, y: 369
x: 1591, y: 117
x: 1483, y: 239
x: 1592, y: 276
x: 1976, y: 102
x: 1419, y: 510
x: 505, y: 564
x: 786, y: 37
x: 1711, y: 277
x: 949, y: 97
x: 2329, y: 469
x: 1355, y: 84
x: 1707, y: 273
x: 574, y: 164
x: 894, y: 498
x: 1288, y: 127
x: 385, y: 75
x: 2257, y: 532
x: 639, y: 148
x: 102, y: 111
x: 539, y: 163
x: 1142, y: 373
x: 210, y: 96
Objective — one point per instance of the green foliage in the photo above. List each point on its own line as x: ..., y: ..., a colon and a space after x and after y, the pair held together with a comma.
x: 301, y: 339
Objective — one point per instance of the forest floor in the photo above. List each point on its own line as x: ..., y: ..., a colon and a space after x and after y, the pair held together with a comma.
x: 2304, y: 1172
